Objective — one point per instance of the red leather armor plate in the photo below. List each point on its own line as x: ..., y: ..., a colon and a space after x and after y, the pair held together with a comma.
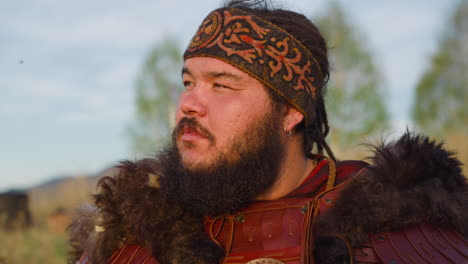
x: 277, y: 229
x: 423, y: 243
x: 128, y: 254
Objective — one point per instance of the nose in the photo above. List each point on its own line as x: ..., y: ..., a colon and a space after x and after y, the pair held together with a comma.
x: 191, y: 103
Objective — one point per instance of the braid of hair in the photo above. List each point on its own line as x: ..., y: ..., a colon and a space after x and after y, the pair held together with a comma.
x: 314, y: 135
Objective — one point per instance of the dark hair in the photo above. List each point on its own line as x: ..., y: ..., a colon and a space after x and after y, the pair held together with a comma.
x: 308, y: 34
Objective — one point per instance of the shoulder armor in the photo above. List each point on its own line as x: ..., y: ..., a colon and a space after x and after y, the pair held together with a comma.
x: 414, y: 244
x: 423, y: 243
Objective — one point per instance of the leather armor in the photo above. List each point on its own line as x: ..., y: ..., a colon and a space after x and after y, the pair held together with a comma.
x: 281, y: 231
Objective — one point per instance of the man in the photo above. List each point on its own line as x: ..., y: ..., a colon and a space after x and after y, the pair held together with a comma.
x: 246, y: 180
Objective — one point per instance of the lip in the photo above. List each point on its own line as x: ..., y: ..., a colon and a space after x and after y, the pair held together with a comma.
x: 191, y: 135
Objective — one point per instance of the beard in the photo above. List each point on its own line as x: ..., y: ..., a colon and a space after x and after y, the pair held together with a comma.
x: 248, y: 168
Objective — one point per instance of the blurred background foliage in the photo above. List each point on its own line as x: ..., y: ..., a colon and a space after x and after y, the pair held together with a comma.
x: 440, y: 108
x: 156, y: 91
x: 355, y: 93
x: 356, y: 106
x: 441, y: 99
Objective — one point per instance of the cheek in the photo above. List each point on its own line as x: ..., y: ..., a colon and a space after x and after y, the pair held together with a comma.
x: 224, y: 117
x: 233, y: 119
x: 232, y: 111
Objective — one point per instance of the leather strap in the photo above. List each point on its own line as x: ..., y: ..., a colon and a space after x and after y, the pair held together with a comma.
x: 331, y: 174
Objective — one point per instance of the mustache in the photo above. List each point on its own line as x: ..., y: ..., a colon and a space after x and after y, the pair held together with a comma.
x: 192, y: 124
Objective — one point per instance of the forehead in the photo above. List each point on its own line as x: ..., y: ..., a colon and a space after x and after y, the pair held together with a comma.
x: 215, y: 68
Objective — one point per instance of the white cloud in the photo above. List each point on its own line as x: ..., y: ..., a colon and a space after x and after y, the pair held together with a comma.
x: 98, y: 107
x: 123, y: 74
x: 31, y: 86
x: 30, y: 96
x: 27, y: 96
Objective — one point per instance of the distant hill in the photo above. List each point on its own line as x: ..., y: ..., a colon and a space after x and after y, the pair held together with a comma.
x: 64, y: 193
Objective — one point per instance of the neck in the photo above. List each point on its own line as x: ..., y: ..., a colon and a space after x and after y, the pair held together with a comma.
x: 294, y: 170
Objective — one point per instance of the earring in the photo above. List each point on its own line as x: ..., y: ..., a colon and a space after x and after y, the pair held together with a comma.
x: 287, y: 133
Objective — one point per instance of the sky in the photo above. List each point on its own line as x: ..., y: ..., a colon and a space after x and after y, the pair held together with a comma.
x: 68, y: 69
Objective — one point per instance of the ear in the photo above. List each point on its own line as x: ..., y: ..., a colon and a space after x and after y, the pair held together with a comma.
x: 292, y: 119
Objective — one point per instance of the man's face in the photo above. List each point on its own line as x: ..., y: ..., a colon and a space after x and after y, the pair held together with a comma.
x: 228, y: 146
x: 225, y: 102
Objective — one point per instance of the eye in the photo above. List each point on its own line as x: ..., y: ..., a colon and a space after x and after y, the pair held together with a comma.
x: 187, y: 84
x: 218, y: 85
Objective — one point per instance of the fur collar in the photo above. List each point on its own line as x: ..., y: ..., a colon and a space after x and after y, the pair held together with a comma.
x: 129, y: 209
x: 410, y: 180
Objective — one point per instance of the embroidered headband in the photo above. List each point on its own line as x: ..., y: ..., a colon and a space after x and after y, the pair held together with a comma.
x: 264, y: 51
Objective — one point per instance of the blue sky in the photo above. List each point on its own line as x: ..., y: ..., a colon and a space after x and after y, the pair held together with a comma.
x: 67, y: 71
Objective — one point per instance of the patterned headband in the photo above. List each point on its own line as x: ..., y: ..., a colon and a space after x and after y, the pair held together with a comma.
x: 264, y: 51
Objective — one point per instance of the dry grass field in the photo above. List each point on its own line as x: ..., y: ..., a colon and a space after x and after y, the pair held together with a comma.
x: 46, y: 241
x: 36, y: 245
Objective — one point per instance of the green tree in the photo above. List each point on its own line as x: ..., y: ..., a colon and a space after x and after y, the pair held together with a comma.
x: 156, y: 91
x: 354, y: 97
x: 441, y: 97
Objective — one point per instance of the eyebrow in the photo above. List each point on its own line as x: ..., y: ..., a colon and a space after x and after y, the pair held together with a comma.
x: 222, y: 74
x: 213, y: 75
x: 186, y: 71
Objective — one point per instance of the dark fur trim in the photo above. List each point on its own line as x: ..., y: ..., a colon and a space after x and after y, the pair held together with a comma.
x: 132, y: 210
x: 81, y: 232
x: 410, y: 181
x: 331, y: 250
